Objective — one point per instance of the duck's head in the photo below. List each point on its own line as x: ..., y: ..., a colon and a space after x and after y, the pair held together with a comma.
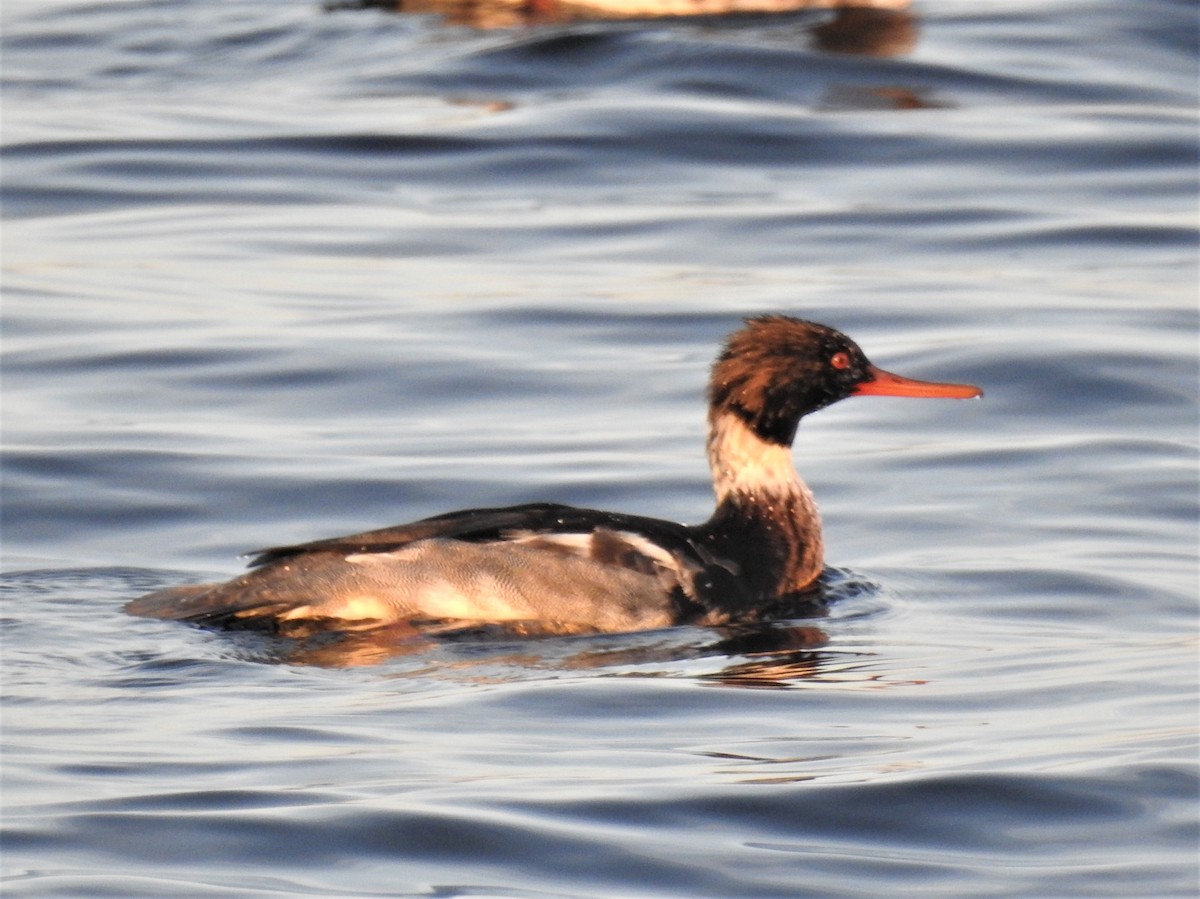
x: 777, y: 369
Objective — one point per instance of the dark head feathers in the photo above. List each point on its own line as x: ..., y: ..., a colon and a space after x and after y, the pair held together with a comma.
x: 777, y: 369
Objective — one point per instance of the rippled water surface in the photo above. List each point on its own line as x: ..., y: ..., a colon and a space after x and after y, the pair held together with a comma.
x: 273, y: 272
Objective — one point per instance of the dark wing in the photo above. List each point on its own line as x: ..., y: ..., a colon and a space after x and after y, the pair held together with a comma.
x: 486, y: 525
x: 470, y: 524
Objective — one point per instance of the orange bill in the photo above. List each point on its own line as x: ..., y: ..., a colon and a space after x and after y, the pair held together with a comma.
x: 884, y: 383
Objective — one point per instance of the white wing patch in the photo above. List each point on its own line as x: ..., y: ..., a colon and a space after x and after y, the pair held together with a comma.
x: 558, y: 579
x: 621, y: 548
x: 606, y: 580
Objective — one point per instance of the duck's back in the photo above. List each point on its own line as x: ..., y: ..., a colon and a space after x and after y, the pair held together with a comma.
x: 566, y: 568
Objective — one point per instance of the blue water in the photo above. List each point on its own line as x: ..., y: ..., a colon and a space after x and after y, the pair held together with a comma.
x: 273, y: 273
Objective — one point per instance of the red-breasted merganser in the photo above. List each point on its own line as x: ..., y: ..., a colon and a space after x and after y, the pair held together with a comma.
x: 565, y: 569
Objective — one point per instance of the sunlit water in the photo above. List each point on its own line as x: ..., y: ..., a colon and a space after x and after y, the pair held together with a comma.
x: 273, y: 273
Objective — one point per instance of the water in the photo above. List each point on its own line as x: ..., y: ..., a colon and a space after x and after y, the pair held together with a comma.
x: 274, y: 273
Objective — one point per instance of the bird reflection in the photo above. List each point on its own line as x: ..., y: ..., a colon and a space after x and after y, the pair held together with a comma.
x: 784, y: 649
x: 862, y: 27
x: 768, y: 654
x: 860, y: 31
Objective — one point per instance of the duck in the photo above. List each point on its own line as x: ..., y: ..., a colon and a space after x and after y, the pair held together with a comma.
x: 564, y: 569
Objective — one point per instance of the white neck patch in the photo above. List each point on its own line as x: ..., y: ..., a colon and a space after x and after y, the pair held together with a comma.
x: 745, y: 464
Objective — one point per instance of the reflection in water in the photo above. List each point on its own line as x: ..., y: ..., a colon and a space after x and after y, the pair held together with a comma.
x: 859, y: 97
x: 861, y: 27
x: 768, y: 654
x: 778, y: 652
x: 868, y: 32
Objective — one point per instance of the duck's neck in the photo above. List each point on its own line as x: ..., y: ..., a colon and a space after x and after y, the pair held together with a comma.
x: 763, y: 504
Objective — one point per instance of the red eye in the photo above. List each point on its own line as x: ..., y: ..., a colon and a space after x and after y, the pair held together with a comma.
x: 840, y: 361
